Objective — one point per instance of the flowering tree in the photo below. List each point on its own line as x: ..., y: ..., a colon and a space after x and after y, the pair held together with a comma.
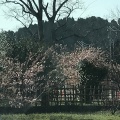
x: 68, y: 62
x: 58, y: 65
x: 84, y: 66
x: 19, y: 81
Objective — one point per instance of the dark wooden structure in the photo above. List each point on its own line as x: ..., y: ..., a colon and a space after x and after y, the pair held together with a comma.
x: 80, y: 95
x: 76, y: 96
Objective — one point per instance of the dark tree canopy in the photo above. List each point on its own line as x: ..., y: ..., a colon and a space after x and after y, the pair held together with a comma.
x: 90, y: 74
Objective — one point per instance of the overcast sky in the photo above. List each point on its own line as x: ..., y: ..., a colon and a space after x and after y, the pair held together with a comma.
x: 99, y: 8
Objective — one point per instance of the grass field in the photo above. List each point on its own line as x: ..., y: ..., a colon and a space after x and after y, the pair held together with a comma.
x: 63, y: 116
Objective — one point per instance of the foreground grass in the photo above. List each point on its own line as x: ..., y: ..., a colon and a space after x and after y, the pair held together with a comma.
x: 63, y: 116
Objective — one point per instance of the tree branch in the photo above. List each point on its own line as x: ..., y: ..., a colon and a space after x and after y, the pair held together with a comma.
x: 23, y: 5
x: 45, y: 10
x: 36, y: 5
x: 54, y: 6
x: 61, y: 5
x: 69, y: 13
x: 29, y: 8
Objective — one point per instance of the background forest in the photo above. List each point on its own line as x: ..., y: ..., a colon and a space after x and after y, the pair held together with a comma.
x: 93, y: 31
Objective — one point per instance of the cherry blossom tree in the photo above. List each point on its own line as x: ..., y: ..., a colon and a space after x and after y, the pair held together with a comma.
x: 70, y: 60
x: 20, y: 81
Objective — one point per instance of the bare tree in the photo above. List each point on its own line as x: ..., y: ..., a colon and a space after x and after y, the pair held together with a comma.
x: 30, y: 7
x: 25, y: 19
x: 59, y: 9
x: 115, y: 14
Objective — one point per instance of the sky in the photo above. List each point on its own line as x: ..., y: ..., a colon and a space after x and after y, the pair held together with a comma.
x: 98, y: 8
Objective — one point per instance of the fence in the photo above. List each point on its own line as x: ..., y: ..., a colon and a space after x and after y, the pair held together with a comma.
x: 80, y: 95
x: 76, y: 95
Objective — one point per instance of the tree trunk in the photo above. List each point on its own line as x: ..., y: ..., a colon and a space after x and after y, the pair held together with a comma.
x: 50, y: 33
x: 40, y: 30
x: 39, y: 20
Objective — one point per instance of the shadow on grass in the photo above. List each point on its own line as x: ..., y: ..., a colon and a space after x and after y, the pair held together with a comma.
x: 66, y: 109
x: 54, y: 109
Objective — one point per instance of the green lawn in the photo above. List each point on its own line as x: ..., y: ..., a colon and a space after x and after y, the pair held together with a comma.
x: 63, y: 116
